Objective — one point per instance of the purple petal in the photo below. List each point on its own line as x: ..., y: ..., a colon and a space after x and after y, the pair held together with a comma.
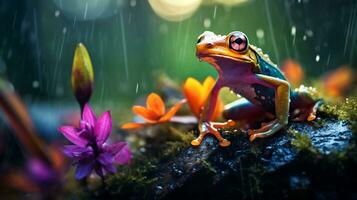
x: 103, y: 128
x: 115, y: 148
x: 122, y: 153
x: 72, y: 135
x: 110, y: 168
x: 106, y: 160
x: 86, y: 130
x: 40, y: 172
x: 84, y: 168
x: 88, y: 115
x: 78, y: 153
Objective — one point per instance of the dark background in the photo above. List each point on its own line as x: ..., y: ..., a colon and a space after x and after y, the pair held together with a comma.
x: 129, y: 43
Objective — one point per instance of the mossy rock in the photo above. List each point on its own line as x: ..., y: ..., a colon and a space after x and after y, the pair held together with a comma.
x: 315, y: 160
x: 250, y: 170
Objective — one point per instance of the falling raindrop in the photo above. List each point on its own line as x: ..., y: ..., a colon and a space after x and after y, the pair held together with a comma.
x: 304, y: 37
x: 328, y: 59
x: 260, y: 33
x: 132, y: 3
x: 317, y: 58
x: 124, y: 46
x: 85, y: 11
x: 309, y: 33
x: 64, y: 31
x: 137, y: 88
x: 35, y: 84
x: 215, y: 12
x: 271, y: 30
x: 207, y: 23
x: 293, y: 30
x: 57, y: 13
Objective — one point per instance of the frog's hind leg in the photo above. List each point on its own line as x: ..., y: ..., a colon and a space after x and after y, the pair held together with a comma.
x: 282, y: 104
x: 245, y: 113
x: 303, y: 106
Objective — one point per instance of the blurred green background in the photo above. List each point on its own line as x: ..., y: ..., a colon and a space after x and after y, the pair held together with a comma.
x: 129, y: 43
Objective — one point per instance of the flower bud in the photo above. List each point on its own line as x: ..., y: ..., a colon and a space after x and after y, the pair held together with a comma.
x: 82, y: 75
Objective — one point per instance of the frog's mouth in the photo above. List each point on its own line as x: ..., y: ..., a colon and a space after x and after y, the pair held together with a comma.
x: 217, y: 57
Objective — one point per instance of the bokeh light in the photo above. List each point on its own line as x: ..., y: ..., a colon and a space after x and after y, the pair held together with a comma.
x: 174, y: 10
x: 87, y: 10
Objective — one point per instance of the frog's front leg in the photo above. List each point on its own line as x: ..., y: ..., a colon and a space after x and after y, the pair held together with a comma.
x: 282, y: 102
x: 206, y: 125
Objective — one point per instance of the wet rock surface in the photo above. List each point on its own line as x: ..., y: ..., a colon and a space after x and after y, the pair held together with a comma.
x: 270, y: 167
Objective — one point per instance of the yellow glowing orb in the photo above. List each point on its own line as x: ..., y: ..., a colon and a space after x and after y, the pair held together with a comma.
x: 232, y: 2
x: 174, y: 10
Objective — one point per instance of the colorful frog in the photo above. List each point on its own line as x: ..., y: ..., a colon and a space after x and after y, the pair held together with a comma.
x: 248, y: 72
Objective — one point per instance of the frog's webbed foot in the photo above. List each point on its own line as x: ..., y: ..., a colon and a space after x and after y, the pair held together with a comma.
x: 308, y: 114
x: 211, y: 127
x: 266, y: 130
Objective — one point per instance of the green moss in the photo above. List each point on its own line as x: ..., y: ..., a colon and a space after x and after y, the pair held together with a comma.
x: 136, y: 179
x: 169, y: 143
x: 255, y: 181
x: 302, y: 142
x: 173, y: 148
x: 208, y: 166
x: 183, y: 137
x: 343, y: 110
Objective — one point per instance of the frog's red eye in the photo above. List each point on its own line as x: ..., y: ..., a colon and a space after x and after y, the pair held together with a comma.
x: 238, y: 41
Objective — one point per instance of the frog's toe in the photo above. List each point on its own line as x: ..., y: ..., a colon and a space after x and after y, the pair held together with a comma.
x: 224, y: 143
x: 252, y: 137
x: 265, y: 131
x: 311, y: 117
x: 196, y: 142
x: 264, y: 127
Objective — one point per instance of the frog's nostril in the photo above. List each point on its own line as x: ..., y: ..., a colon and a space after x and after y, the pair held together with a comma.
x: 209, y: 45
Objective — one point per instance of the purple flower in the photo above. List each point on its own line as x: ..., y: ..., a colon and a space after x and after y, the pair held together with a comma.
x: 41, y: 173
x: 90, y: 150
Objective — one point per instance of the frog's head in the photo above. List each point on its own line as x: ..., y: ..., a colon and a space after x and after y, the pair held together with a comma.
x: 231, y: 49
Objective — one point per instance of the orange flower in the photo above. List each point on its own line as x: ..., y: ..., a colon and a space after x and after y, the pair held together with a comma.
x: 293, y: 72
x: 197, y: 94
x: 154, y: 112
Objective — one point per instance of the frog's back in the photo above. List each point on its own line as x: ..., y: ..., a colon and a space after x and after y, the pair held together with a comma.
x: 266, y: 95
x: 266, y: 66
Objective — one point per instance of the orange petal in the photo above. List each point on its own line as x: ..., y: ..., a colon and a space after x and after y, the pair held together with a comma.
x: 132, y: 125
x: 155, y: 103
x: 218, y: 109
x: 193, y: 91
x: 208, y: 85
x: 145, y: 113
x: 172, y: 111
x: 293, y: 71
x: 337, y: 82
